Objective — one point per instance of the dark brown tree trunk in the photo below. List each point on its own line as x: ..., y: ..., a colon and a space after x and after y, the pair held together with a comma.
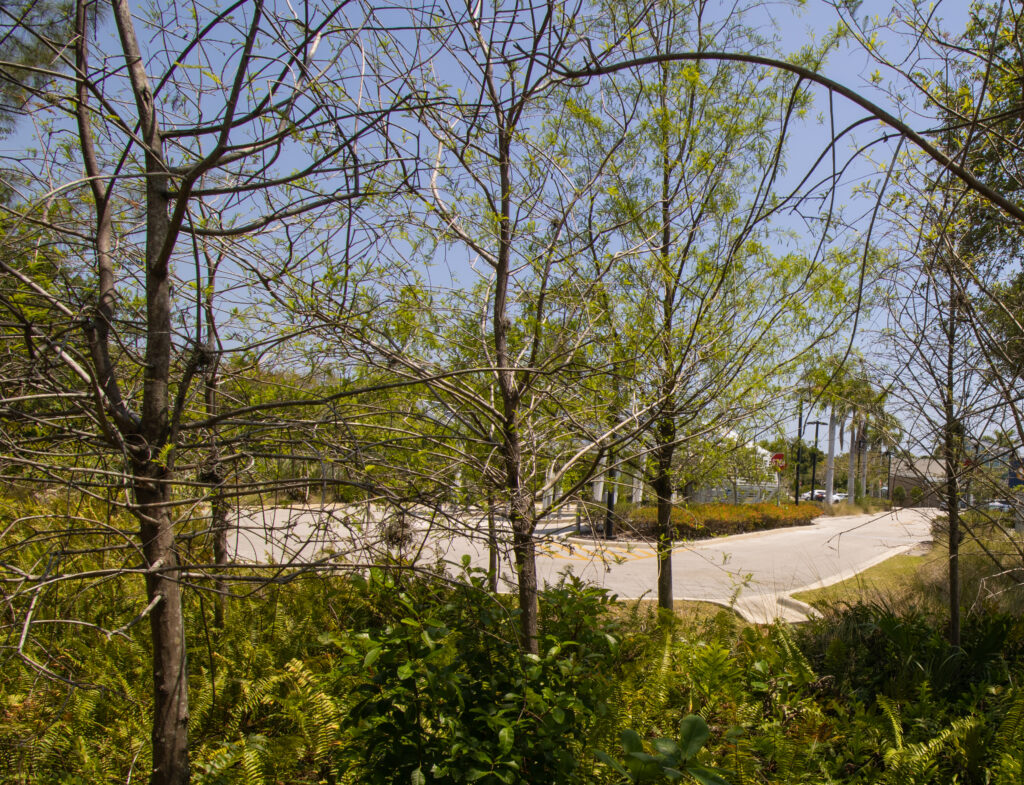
x: 663, y: 489
x: 521, y: 514
x: 213, y: 472
x: 522, y: 520
x: 952, y: 449
x: 166, y: 624
x: 154, y: 451
x: 526, y: 566
x: 213, y: 477
x: 492, y: 546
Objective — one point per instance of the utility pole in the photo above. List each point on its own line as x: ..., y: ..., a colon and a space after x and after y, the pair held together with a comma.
x: 799, y: 452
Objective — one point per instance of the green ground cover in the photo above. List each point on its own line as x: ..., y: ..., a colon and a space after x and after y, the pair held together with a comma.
x: 398, y: 676
x: 991, y: 573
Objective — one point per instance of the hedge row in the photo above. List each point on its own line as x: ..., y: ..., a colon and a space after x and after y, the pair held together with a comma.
x: 700, y: 521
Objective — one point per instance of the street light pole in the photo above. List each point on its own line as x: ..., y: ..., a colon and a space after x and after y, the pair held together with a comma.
x: 799, y: 452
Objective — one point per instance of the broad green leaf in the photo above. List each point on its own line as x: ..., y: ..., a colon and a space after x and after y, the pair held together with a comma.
x: 631, y: 741
x: 371, y: 656
x: 506, y: 737
x: 608, y: 760
x: 693, y: 733
x: 667, y: 747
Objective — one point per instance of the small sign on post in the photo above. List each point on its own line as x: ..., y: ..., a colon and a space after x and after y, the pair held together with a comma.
x: 778, y: 461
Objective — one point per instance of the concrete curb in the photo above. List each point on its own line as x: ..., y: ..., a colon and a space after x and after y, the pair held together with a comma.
x: 632, y: 544
x: 853, y: 572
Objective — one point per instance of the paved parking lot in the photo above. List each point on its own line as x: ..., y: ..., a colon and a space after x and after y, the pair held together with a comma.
x: 754, y: 573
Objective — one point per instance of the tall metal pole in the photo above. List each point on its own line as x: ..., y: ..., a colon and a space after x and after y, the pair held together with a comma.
x: 799, y: 452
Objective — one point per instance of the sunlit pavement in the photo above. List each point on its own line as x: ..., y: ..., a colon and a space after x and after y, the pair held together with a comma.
x: 755, y: 574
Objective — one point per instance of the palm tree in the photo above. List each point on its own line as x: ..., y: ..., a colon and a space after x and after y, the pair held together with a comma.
x: 842, y: 387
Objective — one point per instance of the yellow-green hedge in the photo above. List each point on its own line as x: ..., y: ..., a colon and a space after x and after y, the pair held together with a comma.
x: 699, y: 521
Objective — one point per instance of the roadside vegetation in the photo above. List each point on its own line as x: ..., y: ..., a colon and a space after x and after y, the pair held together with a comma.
x: 702, y: 521
x: 469, y: 263
x: 990, y: 574
x: 397, y: 675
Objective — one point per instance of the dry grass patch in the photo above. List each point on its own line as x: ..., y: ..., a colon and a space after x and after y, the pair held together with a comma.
x: 689, y: 612
x: 896, y: 582
x: 991, y: 576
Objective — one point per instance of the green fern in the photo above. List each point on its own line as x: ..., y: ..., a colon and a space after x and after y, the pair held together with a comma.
x: 651, y: 695
x: 253, y: 760
x: 917, y: 764
x: 794, y: 657
x: 891, y: 711
x: 1011, y: 729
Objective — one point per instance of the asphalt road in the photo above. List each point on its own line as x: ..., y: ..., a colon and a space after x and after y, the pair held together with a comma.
x: 753, y: 573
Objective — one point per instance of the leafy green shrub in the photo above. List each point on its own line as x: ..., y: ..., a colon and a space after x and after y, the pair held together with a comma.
x: 671, y: 757
x: 870, y: 649
x: 448, y: 697
x: 392, y: 677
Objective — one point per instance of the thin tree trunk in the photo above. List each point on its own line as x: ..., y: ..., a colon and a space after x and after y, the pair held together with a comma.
x: 166, y: 623
x: 212, y: 476
x: 212, y: 473
x: 663, y: 489
x: 521, y: 513
x: 952, y: 436
x: 851, y: 477
x: 152, y: 464
x: 526, y: 567
x: 865, y: 456
x: 492, y: 546
x: 609, y: 515
x: 830, y: 460
x: 597, y: 486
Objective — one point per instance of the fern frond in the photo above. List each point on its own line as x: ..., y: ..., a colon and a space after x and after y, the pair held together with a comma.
x: 652, y: 694
x: 253, y: 755
x: 1011, y: 729
x: 217, y: 764
x: 892, y: 713
x: 914, y: 764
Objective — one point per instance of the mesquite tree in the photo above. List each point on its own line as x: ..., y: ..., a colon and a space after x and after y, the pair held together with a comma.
x: 183, y: 158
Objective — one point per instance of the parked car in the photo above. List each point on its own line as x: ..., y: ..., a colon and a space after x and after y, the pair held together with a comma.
x: 999, y: 505
x: 818, y: 495
x: 944, y: 505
